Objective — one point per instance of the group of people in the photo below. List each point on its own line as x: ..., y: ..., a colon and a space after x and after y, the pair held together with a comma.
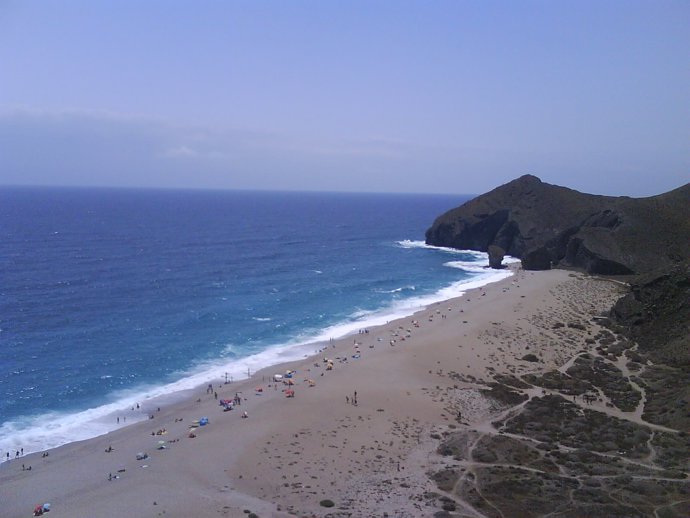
x: 19, y: 453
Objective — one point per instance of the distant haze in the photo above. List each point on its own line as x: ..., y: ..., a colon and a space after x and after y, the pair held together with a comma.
x: 386, y: 96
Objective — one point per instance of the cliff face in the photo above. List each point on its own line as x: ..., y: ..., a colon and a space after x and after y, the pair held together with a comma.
x: 546, y: 225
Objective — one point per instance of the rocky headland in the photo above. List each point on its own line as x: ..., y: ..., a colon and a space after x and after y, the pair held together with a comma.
x: 548, y: 225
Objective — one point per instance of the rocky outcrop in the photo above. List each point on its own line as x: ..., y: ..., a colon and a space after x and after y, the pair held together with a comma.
x: 537, y: 259
x: 546, y: 225
x: 496, y: 255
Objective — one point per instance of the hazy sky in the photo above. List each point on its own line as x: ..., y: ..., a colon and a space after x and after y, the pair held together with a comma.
x: 426, y: 96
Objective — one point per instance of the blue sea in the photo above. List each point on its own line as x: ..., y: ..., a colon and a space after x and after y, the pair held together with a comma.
x: 113, y: 297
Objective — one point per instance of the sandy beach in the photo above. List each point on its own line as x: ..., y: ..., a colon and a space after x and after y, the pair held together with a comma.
x: 413, y: 380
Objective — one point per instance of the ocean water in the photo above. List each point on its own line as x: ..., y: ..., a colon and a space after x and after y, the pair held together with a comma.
x: 113, y: 297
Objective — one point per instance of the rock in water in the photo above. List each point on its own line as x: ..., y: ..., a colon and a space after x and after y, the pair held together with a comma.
x: 496, y: 254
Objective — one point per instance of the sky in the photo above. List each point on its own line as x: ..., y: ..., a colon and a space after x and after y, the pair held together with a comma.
x: 378, y: 96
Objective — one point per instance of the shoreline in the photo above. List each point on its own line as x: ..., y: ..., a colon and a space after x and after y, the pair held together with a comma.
x: 142, y: 401
x: 412, y: 376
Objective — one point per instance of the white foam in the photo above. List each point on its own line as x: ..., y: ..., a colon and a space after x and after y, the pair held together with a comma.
x: 473, y: 267
x: 403, y: 308
x: 398, y: 290
x: 480, y: 256
x: 408, y: 243
x: 52, y: 429
x: 49, y: 430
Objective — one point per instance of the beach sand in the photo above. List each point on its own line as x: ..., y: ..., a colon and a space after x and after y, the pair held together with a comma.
x: 415, y: 378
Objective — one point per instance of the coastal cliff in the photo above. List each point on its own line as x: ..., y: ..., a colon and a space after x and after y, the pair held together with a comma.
x: 546, y: 225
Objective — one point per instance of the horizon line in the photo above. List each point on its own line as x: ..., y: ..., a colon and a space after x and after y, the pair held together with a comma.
x: 224, y: 189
